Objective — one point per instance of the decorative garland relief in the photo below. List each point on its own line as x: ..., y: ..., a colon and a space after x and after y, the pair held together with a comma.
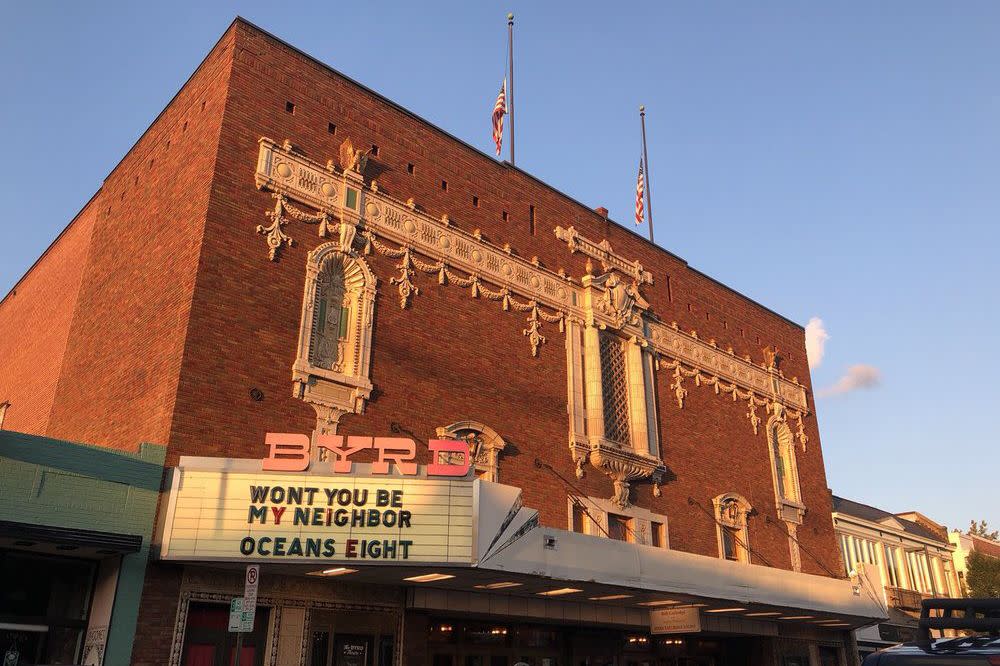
x: 548, y: 296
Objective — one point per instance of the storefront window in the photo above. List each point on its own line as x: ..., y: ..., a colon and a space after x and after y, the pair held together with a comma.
x: 44, y: 605
x: 208, y: 641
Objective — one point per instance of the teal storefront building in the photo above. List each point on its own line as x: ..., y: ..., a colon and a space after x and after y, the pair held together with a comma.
x: 75, y: 528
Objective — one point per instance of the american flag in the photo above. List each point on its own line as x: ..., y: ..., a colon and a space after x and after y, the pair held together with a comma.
x: 640, y: 191
x: 499, y: 109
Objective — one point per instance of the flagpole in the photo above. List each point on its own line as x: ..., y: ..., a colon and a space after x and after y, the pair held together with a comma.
x: 510, y: 93
x: 645, y: 160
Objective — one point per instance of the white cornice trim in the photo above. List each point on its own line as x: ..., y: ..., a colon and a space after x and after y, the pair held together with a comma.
x: 879, y: 527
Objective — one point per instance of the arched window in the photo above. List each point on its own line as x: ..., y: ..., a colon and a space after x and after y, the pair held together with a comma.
x: 485, y: 446
x: 731, y: 512
x: 331, y: 367
x: 784, y: 468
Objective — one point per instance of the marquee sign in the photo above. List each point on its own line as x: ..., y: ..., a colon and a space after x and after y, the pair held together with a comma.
x: 243, y: 510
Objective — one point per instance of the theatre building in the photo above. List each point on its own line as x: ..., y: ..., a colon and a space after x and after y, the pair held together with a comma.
x: 456, y: 417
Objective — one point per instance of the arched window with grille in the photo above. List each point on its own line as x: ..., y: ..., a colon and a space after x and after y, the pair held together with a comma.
x: 784, y: 468
x: 334, y: 352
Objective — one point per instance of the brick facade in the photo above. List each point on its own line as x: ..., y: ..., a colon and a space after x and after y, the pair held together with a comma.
x: 174, y: 313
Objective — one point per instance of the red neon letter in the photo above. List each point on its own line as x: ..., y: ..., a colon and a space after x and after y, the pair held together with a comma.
x: 335, y: 443
x: 439, y: 446
x: 288, y: 452
x: 399, y: 449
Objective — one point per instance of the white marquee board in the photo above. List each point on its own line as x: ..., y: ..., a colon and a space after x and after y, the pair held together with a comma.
x: 225, y: 515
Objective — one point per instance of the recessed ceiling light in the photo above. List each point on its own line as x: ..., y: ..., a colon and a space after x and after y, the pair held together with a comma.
x: 498, y: 586
x: 429, y: 578
x: 836, y: 624
x: 726, y: 610
x: 611, y: 597
x: 336, y: 571
x: 767, y: 614
x: 660, y: 602
x: 559, y: 591
x: 796, y: 617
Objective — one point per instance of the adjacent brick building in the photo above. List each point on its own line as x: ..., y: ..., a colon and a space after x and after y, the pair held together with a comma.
x: 447, y: 295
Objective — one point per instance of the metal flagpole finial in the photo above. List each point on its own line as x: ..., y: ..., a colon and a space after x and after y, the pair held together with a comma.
x: 642, y: 108
x: 510, y: 18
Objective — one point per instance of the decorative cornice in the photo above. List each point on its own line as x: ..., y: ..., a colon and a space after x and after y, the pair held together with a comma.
x: 602, y: 252
x: 713, y: 364
x: 469, y: 260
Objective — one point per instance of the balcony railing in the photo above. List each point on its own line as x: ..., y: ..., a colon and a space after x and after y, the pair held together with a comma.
x: 905, y: 599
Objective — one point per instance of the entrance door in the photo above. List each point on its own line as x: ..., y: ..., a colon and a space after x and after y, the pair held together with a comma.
x: 352, y: 650
x: 369, y: 639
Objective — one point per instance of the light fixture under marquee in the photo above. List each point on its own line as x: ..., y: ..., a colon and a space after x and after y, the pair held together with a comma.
x: 498, y: 586
x: 429, y: 578
x: 611, y: 597
x: 335, y: 571
x: 560, y: 591
x: 764, y: 614
x: 660, y: 602
x: 735, y: 609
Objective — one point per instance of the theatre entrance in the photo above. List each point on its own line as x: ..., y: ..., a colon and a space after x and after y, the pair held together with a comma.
x: 352, y: 638
x: 462, y: 643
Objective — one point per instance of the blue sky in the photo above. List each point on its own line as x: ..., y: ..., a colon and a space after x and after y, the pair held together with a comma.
x: 831, y: 160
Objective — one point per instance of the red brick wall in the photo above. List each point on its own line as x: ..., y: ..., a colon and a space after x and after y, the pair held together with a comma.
x: 449, y: 357
x: 154, y: 635
x: 156, y: 312
x: 36, y: 317
x: 180, y: 313
x: 120, y: 371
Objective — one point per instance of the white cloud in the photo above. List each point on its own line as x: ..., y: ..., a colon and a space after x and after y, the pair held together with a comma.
x: 857, y: 377
x: 816, y: 337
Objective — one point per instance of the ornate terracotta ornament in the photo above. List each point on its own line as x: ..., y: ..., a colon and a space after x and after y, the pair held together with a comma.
x: 353, y: 160
x: 622, y: 302
x: 342, y: 204
x: 485, y: 445
x: 334, y: 352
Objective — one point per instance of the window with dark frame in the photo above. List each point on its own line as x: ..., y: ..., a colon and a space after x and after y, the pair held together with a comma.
x: 620, y: 527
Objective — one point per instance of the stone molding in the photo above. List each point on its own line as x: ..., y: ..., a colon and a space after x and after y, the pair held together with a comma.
x: 602, y: 252
x: 780, y: 440
x: 731, y: 511
x: 485, y: 445
x: 344, y: 387
x: 289, y: 175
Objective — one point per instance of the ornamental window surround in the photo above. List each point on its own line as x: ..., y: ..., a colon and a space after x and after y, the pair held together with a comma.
x: 603, y: 518
x: 485, y: 447
x: 784, y: 469
x: 331, y: 369
x: 611, y: 390
x: 731, y: 511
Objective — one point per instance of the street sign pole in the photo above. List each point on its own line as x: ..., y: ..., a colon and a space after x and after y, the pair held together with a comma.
x: 239, y: 648
x: 248, y: 607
